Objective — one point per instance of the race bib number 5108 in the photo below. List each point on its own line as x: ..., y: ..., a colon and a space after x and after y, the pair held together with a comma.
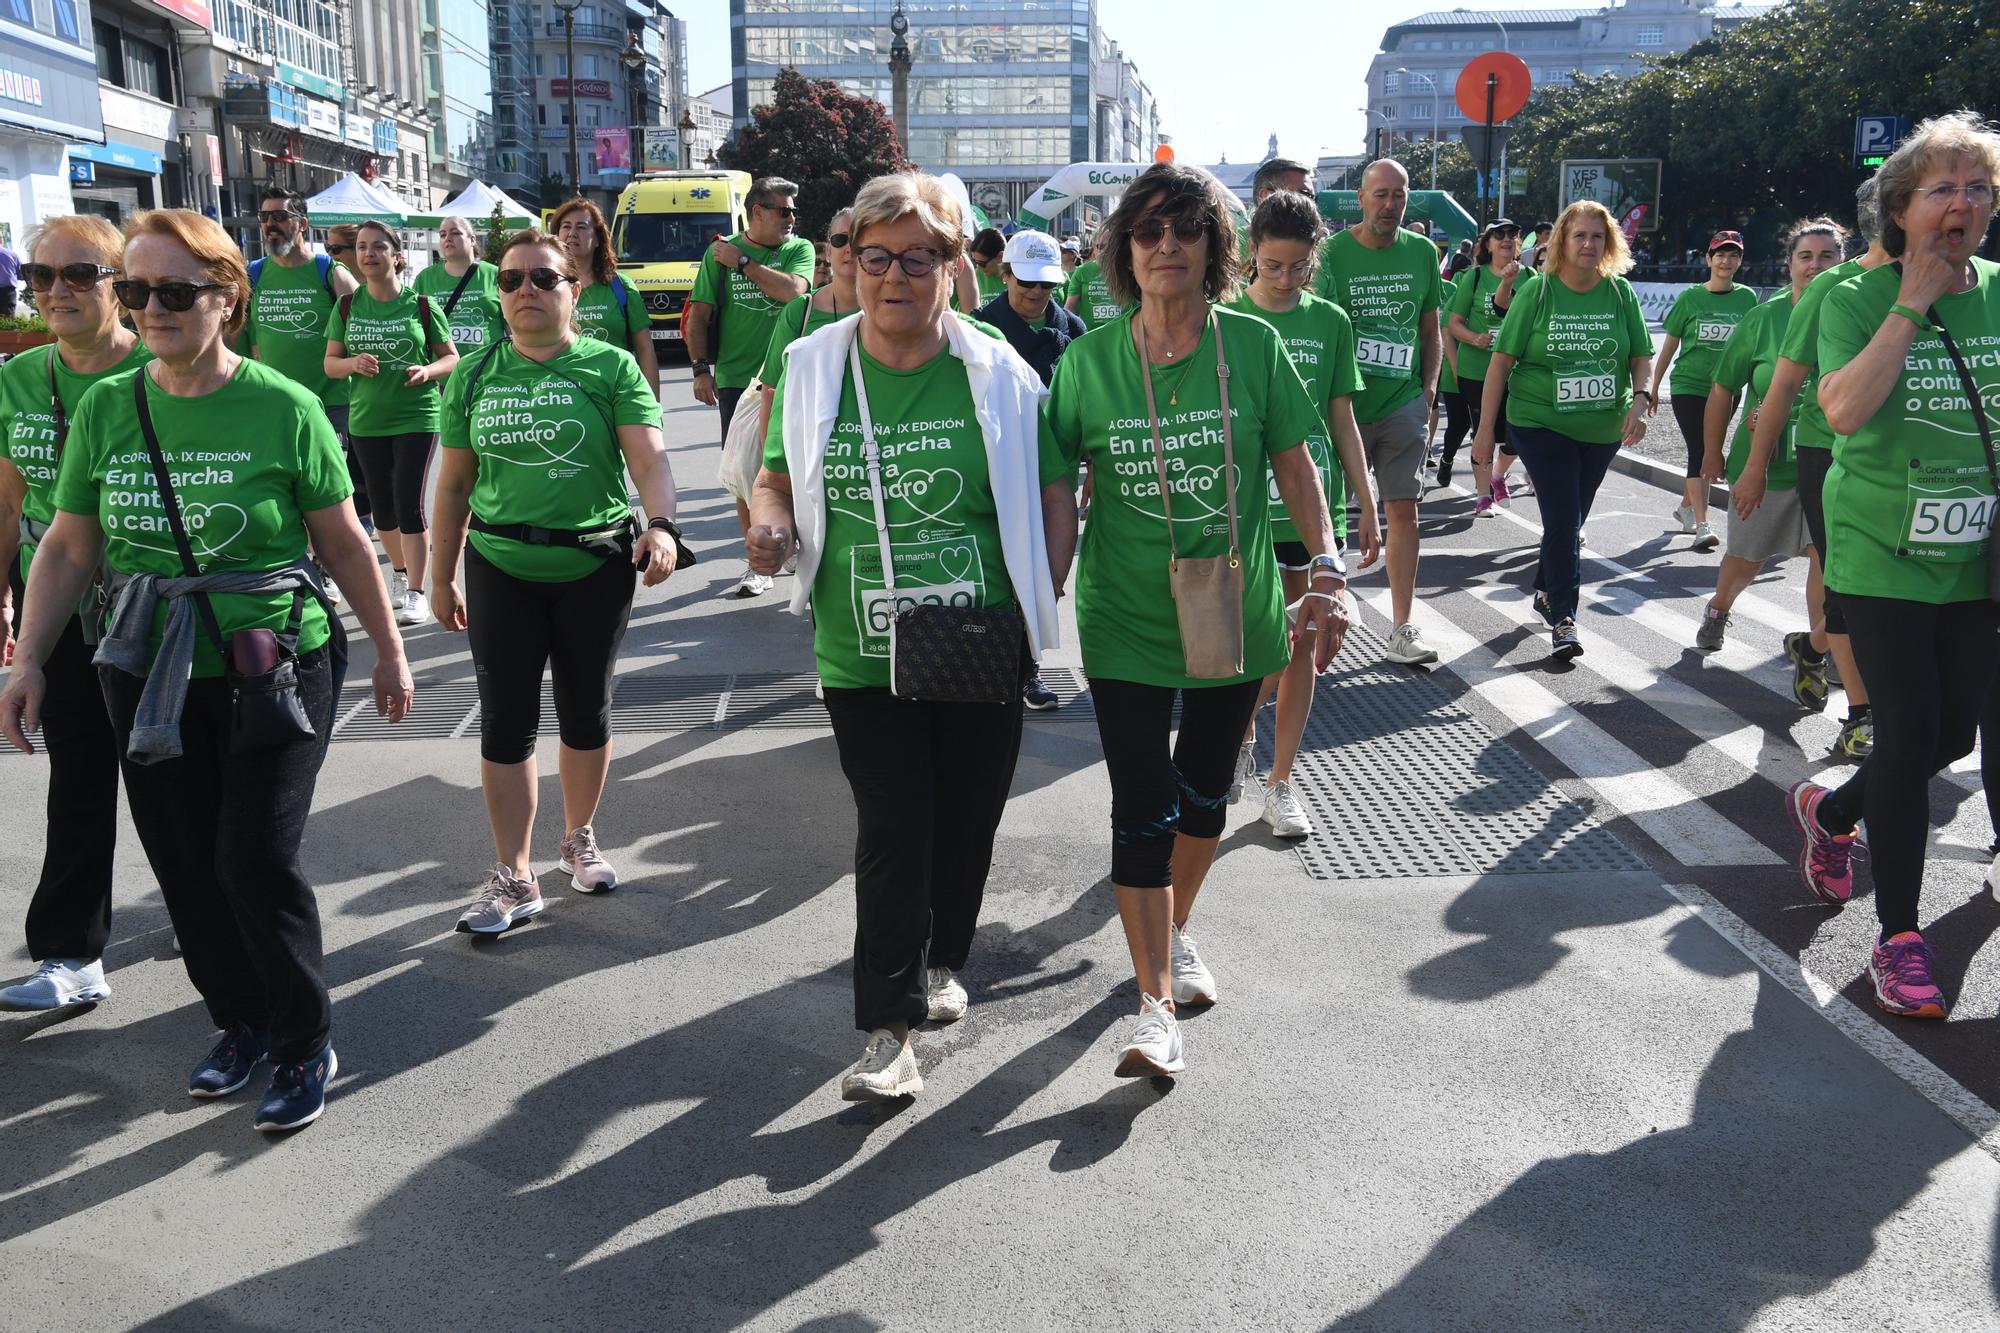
x: 1585, y: 393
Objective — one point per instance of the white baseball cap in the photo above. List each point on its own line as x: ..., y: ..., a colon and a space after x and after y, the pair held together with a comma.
x: 1033, y: 257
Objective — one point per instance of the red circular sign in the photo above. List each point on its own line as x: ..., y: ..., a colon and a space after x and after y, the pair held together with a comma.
x: 1512, y: 84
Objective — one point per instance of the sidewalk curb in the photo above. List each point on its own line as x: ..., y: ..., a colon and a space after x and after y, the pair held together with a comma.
x: 1666, y: 478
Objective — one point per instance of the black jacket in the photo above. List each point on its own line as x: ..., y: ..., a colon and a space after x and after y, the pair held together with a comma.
x: 1040, y: 348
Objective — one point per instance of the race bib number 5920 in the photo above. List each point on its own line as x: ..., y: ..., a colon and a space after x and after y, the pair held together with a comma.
x: 1382, y: 358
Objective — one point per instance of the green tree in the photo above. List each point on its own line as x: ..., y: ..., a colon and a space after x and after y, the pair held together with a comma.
x: 496, y: 235
x: 827, y: 140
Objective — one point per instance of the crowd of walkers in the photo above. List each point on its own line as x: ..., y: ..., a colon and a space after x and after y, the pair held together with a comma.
x: 187, y: 503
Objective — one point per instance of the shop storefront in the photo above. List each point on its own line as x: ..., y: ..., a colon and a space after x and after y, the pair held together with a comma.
x: 48, y: 99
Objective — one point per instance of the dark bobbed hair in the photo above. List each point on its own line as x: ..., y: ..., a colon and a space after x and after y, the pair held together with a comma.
x: 1173, y: 190
x: 603, y: 264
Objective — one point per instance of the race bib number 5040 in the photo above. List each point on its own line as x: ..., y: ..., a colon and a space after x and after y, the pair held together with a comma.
x: 1948, y: 512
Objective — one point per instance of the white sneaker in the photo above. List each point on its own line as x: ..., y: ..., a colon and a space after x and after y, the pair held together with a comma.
x: 1993, y: 879
x: 1408, y: 647
x: 1246, y: 770
x: 944, y: 996
x: 1705, y: 538
x: 1282, y: 811
x: 1192, y: 982
x: 1155, y: 1045
x: 59, y: 982
x: 886, y: 1070
x: 752, y: 584
x: 792, y: 563
x: 1684, y: 515
x: 333, y: 593
x: 399, y: 589
x: 416, y: 609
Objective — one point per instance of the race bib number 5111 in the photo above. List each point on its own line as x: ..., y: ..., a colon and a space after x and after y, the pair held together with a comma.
x: 1382, y: 358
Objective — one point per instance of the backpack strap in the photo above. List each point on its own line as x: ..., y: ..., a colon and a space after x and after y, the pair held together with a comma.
x: 618, y: 290
x: 256, y: 273
x: 324, y: 263
x: 425, y: 316
x: 346, y: 313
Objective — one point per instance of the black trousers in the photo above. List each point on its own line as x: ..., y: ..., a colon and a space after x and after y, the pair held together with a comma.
x: 222, y: 833
x: 518, y: 628
x: 395, y: 466
x: 725, y: 405
x: 1475, y: 403
x: 1930, y: 673
x: 1457, y: 425
x: 1566, y: 474
x: 930, y: 783
x: 70, y: 914
x: 1691, y: 415
x: 1164, y: 784
x: 337, y: 414
x: 1814, y: 464
x: 1989, y: 757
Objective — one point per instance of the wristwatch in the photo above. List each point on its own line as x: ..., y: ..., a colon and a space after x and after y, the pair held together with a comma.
x: 701, y: 368
x: 742, y: 262
x: 665, y: 525
x: 1331, y: 563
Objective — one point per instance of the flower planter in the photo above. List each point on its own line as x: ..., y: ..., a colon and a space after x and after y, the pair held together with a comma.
x: 12, y: 342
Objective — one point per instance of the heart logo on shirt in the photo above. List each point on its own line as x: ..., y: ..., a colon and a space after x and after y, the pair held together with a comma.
x: 212, y: 527
x: 1204, y: 487
x: 1400, y: 313
x: 400, y: 351
x: 931, y: 491
x: 558, y: 443
x: 956, y: 562
x: 288, y: 321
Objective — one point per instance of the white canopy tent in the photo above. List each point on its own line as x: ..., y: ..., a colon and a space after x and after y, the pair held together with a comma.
x: 351, y: 199
x: 476, y: 202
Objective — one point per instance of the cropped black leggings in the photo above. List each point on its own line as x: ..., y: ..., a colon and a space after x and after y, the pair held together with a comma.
x: 1457, y: 425
x: 519, y: 627
x: 1158, y: 789
x: 395, y: 466
x: 1930, y: 673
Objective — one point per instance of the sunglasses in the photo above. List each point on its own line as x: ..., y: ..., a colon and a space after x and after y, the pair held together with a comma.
x: 267, y: 216
x: 781, y: 212
x: 338, y: 249
x: 77, y: 277
x: 875, y: 260
x: 547, y: 279
x: 1038, y: 286
x: 839, y: 239
x: 137, y: 293
x: 1188, y: 228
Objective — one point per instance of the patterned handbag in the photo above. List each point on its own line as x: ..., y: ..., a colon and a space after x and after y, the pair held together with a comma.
x: 939, y: 654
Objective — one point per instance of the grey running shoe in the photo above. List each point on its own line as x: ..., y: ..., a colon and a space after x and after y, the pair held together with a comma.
x: 1564, y: 644
x: 503, y: 902
x: 59, y: 983
x: 1246, y: 770
x: 1684, y: 515
x: 1155, y: 1045
x: 886, y: 1070
x: 1408, y: 647
x: 1857, y: 737
x: 945, y: 1000
x: 588, y: 871
x: 1713, y: 624
x: 1192, y: 982
x: 1705, y: 538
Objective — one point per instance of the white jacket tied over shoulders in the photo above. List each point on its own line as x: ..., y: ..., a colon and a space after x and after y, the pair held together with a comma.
x: 1006, y: 396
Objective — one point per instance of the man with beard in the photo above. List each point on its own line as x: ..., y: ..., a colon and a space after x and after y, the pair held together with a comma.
x: 292, y: 296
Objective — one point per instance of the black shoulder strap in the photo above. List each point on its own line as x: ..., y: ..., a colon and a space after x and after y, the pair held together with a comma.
x: 451, y: 302
x: 424, y: 317
x: 172, y: 505
x: 478, y: 371
x: 56, y: 406
x: 1972, y: 396
x: 346, y: 312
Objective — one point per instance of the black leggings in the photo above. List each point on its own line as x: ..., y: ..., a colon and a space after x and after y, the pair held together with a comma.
x: 1691, y: 415
x: 1475, y: 403
x: 519, y: 627
x: 1989, y: 757
x: 1566, y: 474
x: 1157, y: 792
x: 1457, y: 425
x: 1930, y: 672
x: 1814, y: 464
x: 395, y: 466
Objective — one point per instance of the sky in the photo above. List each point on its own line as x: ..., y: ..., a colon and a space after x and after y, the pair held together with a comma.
x: 1294, y: 68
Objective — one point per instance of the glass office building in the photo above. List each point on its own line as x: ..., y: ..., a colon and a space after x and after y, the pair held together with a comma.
x: 1001, y: 91
x: 458, y: 85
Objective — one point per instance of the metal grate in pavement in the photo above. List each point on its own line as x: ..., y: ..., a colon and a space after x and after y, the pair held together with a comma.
x: 1400, y: 781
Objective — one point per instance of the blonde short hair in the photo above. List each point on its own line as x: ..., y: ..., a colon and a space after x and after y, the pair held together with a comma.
x: 206, y: 240
x: 88, y: 230
x: 901, y: 194
x: 1939, y: 139
x: 1617, y: 260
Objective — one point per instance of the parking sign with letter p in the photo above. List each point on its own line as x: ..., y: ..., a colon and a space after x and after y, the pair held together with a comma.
x: 1875, y: 137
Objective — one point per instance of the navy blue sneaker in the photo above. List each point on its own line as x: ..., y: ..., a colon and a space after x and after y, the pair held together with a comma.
x: 297, y: 1093
x: 227, y: 1067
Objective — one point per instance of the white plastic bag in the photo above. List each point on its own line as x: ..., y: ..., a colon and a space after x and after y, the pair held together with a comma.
x: 743, y: 446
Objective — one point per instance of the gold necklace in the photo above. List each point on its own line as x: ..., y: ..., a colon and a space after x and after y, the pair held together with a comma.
x: 1174, y: 397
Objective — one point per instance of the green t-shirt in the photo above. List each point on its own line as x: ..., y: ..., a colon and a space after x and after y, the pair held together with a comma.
x: 29, y: 421
x: 1573, y: 350
x: 944, y: 532
x: 1386, y: 293
x: 397, y: 335
x: 794, y: 322
x: 548, y: 455
x: 990, y: 285
x: 286, y: 325
x: 248, y: 462
x: 745, y: 313
x: 1748, y: 359
x: 1471, y: 299
x: 475, y: 321
x: 1096, y: 409
x: 1320, y: 341
x: 1094, y: 305
x: 1802, y: 346
x: 600, y: 319
x: 1703, y: 321
x: 1909, y: 503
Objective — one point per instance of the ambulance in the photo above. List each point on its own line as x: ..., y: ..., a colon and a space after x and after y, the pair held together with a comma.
x: 664, y: 222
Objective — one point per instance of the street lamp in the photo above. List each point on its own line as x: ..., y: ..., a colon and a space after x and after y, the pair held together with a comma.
x: 1415, y: 74
x: 568, y: 8
x: 1475, y: 14
x: 633, y: 61
x: 687, y: 139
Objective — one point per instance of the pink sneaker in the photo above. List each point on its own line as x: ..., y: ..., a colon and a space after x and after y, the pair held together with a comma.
x: 1483, y: 508
x: 1501, y: 495
x: 588, y: 871
x: 1826, y: 860
x: 1900, y: 967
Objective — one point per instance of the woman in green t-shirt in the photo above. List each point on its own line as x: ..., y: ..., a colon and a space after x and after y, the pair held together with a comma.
x: 910, y: 419
x: 1141, y: 398
x: 609, y: 306
x: 1773, y: 522
x: 1478, y: 303
x: 1571, y: 360
x: 397, y: 347
x: 253, y: 469
x: 1909, y: 511
x: 69, y: 917
x: 1698, y: 324
x: 1285, y: 236
x: 837, y: 299
x: 539, y: 431
x: 461, y: 286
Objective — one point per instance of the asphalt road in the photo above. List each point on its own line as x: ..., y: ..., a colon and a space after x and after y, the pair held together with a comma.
x: 1630, y: 1081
